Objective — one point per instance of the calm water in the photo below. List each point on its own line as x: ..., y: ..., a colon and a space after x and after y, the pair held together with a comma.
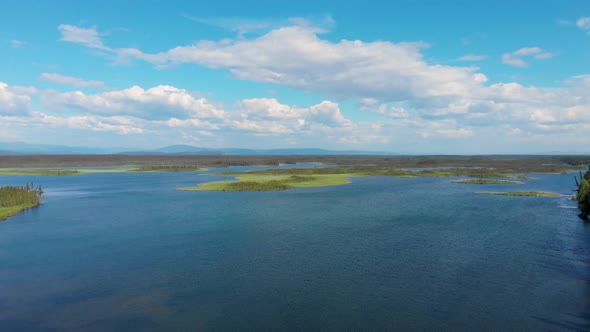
x: 128, y: 251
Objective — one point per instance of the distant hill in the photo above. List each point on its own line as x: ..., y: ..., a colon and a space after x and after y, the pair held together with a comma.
x: 20, y: 148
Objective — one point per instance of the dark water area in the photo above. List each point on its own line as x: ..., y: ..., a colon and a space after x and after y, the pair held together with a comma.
x: 127, y: 251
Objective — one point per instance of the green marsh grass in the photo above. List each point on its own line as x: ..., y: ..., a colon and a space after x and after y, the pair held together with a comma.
x: 521, y: 193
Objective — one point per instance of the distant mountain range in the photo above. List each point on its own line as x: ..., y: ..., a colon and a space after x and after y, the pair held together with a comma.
x: 19, y: 148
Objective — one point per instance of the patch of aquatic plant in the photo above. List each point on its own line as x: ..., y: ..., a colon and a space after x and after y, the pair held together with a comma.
x: 15, y: 199
x: 485, y: 181
x: 521, y: 193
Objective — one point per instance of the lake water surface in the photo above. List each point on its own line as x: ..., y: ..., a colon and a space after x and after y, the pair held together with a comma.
x: 127, y: 251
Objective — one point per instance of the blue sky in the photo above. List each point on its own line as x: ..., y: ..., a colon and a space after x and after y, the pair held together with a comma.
x: 449, y: 77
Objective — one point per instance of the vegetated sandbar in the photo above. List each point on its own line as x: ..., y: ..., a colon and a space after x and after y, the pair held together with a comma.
x: 286, y: 178
x: 485, y: 181
x: 520, y: 193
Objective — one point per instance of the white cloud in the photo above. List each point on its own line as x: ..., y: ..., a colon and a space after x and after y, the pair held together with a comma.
x: 456, y: 133
x: 266, y: 115
x: 528, y: 51
x: 187, y: 123
x: 132, y: 110
x: 121, y: 125
x: 158, y: 103
x: 396, y: 110
x: 584, y: 24
x: 511, y: 59
x: 15, y: 100
x: 515, y: 58
x: 473, y: 57
x: 296, y: 56
x: 87, y: 37
x: 77, y: 82
x: 419, y: 101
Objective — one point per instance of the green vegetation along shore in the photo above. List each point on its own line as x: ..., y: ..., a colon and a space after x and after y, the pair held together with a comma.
x: 486, y: 181
x: 583, y: 194
x: 14, y: 200
x: 62, y: 172
x: 520, y: 193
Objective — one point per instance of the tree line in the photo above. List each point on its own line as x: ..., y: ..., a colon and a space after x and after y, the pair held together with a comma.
x: 21, y: 195
x: 583, y: 194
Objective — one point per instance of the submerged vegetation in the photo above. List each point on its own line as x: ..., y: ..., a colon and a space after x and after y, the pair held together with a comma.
x: 521, y: 193
x: 583, y: 194
x: 486, y: 181
x: 16, y: 199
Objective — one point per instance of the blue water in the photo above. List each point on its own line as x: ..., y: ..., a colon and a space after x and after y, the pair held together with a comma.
x: 129, y: 252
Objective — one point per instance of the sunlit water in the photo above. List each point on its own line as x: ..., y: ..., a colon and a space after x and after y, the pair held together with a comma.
x: 129, y: 252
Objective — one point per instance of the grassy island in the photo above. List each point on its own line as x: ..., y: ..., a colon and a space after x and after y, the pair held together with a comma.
x: 486, y: 181
x: 14, y: 200
x: 286, y: 178
x: 521, y: 193
x: 273, y: 182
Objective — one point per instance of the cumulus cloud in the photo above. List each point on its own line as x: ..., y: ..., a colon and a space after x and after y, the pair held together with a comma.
x: 414, y: 99
x: 87, y: 37
x: 132, y: 110
x: 158, y: 103
x: 121, y: 125
x: 296, y: 56
x: 396, y: 110
x: 15, y: 100
x: 515, y: 58
x: 77, y: 82
x: 266, y: 115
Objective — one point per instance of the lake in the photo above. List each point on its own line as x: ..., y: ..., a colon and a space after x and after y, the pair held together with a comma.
x: 127, y: 251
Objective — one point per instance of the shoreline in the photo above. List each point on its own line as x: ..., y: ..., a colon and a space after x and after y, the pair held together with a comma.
x: 11, y: 211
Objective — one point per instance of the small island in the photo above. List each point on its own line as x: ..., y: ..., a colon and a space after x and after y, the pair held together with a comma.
x: 288, y: 178
x: 14, y: 200
x: 273, y: 182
